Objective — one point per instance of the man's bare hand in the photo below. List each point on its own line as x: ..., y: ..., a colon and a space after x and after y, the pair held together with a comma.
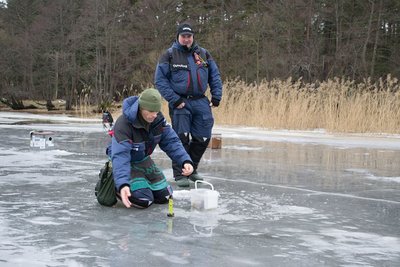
x: 187, y: 169
x: 125, y: 194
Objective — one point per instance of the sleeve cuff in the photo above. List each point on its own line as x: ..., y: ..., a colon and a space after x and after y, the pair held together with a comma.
x: 122, y: 186
x: 187, y: 161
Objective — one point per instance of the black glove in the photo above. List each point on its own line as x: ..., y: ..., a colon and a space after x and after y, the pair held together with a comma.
x: 177, y: 103
x: 215, y: 102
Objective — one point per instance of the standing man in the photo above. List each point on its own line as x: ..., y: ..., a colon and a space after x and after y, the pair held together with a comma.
x: 183, y: 73
x: 140, y: 128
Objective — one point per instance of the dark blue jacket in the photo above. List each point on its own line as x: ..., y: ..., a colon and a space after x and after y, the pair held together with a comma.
x: 131, y: 141
x: 177, y: 74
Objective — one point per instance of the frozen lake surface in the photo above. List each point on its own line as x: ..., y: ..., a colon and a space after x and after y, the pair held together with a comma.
x: 287, y: 198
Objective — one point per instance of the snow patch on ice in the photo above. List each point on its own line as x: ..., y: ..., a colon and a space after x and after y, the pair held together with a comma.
x: 169, y: 257
x: 238, y: 208
x: 371, y: 176
x: 181, y: 194
x: 319, y: 136
x: 243, y: 148
x: 353, y: 247
x: 246, y: 262
x: 31, y: 157
x: 291, y: 210
x: 43, y: 221
x: 19, y: 116
x: 40, y: 178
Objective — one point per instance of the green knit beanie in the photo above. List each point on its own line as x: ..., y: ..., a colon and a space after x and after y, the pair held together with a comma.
x: 150, y: 99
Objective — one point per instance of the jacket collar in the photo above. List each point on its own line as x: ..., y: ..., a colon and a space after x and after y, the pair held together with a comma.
x: 180, y: 47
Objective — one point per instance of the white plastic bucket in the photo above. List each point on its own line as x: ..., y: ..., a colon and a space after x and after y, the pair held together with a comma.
x: 41, y: 139
x: 203, y: 198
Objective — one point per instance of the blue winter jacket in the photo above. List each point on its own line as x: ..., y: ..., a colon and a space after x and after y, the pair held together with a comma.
x: 131, y: 141
x: 178, y: 76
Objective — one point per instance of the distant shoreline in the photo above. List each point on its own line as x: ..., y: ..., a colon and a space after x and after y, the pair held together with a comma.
x: 75, y: 113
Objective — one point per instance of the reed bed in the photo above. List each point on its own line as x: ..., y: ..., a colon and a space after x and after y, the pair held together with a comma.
x: 337, y: 105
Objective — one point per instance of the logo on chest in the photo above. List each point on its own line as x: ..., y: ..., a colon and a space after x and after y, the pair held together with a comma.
x: 182, y: 66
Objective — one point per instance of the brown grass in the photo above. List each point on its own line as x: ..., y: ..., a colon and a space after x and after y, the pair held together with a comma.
x: 337, y: 105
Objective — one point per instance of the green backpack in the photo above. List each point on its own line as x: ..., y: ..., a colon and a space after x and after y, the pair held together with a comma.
x: 105, y: 187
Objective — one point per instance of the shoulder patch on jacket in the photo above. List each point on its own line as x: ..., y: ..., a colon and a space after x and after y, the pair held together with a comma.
x: 165, y: 57
x: 123, y: 130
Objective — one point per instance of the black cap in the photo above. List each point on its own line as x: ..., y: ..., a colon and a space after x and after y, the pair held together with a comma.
x: 185, y: 28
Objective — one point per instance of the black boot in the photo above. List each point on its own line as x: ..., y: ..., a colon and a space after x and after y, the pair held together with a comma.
x: 196, y: 150
x: 176, y: 168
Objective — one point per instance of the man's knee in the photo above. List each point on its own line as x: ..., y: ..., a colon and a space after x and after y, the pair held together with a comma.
x: 200, y: 141
x: 142, y: 198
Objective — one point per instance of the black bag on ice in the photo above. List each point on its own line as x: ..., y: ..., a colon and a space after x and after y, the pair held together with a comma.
x: 105, y: 187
